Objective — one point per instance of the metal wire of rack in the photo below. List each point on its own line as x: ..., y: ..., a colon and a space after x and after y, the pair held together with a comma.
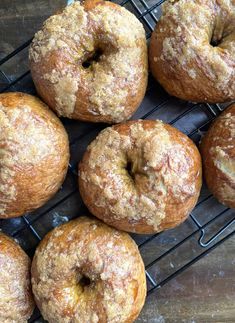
x: 170, y: 252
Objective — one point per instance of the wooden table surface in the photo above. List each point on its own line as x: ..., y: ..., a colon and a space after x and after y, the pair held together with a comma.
x: 205, y: 292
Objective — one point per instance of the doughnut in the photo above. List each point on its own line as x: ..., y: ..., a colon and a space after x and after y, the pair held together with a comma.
x: 34, y: 154
x: 90, y: 62
x: 218, y: 156
x: 85, y: 271
x: 16, y: 300
x: 192, y: 50
x: 142, y: 176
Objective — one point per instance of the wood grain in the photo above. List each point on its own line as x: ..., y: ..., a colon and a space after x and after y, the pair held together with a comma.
x: 19, y: 20
x: 204, y: 293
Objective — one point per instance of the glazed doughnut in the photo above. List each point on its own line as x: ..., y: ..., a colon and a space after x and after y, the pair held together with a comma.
x: 89, y: 62
x: 34, y: 154
x: 218, y: 156
x: 192, y: 50
x: 85, y: 271
x: 141, y: 176
x: 16, y: 300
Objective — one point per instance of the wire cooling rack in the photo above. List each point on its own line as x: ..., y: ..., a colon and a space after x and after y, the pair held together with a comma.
x: 166, y: 254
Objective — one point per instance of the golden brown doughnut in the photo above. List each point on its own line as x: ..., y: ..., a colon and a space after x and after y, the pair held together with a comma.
x: 142, y: 176
x: 16, y: 300
x: 85, y: 271
x: 218, y: 156
x: 34, y: 154
x: 89, y: 62
x: 192, y: 50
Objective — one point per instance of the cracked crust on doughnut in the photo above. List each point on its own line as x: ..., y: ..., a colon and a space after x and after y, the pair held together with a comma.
x: 85, y: 271
x: 34, y: 154
x: 16, y: 300
x: 218, y: 156
x: 141, y: 176
x: 89, y: 62
x: 192, y: 50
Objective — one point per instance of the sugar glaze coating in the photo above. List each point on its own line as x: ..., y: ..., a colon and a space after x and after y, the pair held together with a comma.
x: 34, y: 154
x: 112, y: 87
x: 141, y: 176
x: 192, y: 50
x: 110, y: 261
x: 218, y: 156
x: 16, y: 300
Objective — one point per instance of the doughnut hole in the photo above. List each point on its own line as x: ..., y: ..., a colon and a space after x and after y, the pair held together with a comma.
x: 221, y: 33
x: 94, y: 56
x: 136, y: 172
x: 130, y: 170
x: 215, y: 42
x: 84, y: 282
x: 80, y: 286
